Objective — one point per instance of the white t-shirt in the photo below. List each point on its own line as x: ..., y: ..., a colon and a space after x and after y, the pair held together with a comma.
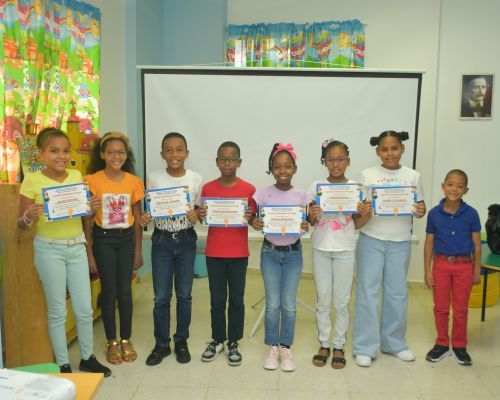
x: 332, y: 232
x: 396, y: 229
x: 160, y: 179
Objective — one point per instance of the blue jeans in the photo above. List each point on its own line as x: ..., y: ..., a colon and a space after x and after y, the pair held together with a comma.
x: 58, y: 266
x: 380, y: 265
x: 281, y: 273
x: 172, y: 257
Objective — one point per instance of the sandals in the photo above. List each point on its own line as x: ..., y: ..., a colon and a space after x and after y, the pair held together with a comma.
x: 338, y: 362
x: 128, y: 352
x: 321, y: 358
x: 113, y: 355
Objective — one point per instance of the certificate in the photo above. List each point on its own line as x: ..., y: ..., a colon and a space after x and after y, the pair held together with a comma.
x: 338, y: 198
x: 66, y: 201
x: 167, y: 202
x: 282, y: 220
x: 227, y: 212
x: 394, y: 200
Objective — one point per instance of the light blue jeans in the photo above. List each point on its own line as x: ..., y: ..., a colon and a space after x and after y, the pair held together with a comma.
x: 380, y: 264
x: 281, y: 273
x: 58, y: 266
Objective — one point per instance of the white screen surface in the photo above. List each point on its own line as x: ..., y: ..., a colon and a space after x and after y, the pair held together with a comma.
x: 256, y: 108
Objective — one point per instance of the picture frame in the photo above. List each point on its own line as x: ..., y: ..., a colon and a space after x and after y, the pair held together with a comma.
x: 476, y: 96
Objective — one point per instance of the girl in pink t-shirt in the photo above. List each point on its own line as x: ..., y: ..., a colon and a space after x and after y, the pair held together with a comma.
x: 281, y: 260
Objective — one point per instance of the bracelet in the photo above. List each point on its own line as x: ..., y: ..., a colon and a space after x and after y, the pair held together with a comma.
x: 28, y: 222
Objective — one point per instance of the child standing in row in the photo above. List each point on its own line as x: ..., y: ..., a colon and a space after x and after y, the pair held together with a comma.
x: 114, y: 237
x: 60, y: 252
x: 453, y: 247
x: 383, y: 257
x: 227, y: 258
x: 173, y: 252
x: 281, y: 261
x: 333, y: 242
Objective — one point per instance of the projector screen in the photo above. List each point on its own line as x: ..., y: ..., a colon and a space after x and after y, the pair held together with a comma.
x: 257, y: 107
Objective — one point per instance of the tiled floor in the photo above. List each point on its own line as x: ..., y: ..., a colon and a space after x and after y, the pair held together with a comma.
x: 388, y: 378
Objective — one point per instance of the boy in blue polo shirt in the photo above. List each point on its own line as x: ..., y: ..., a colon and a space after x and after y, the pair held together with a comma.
x: 453, y: 246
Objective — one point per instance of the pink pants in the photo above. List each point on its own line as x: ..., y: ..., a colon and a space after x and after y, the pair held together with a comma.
x: 452, y: 285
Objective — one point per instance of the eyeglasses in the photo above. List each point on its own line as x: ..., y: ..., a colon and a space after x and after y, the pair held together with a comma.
x: 331, y: 160
x: 223, y: 160
x: 113, y: 153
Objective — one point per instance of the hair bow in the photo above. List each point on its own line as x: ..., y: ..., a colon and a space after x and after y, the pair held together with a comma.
x: 327, y: 142
x: 288, y: 148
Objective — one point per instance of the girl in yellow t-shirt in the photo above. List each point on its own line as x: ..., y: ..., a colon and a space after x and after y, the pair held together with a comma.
x: 115, y: 237
x: 60, y: 255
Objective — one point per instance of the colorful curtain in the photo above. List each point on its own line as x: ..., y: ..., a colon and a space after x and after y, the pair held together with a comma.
x: 49, y: 65
x: 330, y: 44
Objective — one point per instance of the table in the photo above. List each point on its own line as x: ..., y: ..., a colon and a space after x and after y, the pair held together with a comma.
x: 86, y: 384
x: 490, y: 262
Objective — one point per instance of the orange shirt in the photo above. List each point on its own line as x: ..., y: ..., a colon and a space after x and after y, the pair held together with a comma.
x: 117, y: 199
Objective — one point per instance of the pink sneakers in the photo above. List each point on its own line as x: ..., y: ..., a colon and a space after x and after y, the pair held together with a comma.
x: 271, y: 359
x: 287, y: 362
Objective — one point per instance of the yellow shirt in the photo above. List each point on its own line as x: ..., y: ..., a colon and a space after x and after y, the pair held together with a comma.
x: 32, y: 189
x: 117, y: 199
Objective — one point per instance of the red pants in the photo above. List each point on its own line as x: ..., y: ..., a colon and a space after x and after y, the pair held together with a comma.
x: 452, y: 284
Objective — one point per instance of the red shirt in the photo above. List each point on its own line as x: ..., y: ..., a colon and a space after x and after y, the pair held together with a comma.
x: 229, y: 242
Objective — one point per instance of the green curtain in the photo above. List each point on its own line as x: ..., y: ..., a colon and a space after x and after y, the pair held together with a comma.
x: 49, y: 64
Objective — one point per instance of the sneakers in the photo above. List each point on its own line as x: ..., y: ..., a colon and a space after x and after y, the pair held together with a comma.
x: 182, y: 352
x: 363, y: 361
x: 157, y: 355
x: 233, y: 356
x: 405, y: 355
x: 287, y: 361
x: 212, y: 351
x: 65, y: 369
x: 271, y: 359
x: 461, y: 355
x: 92, y: 365
x: 437, y: 353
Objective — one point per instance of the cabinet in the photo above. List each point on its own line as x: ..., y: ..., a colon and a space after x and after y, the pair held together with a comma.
x: 25, y: 311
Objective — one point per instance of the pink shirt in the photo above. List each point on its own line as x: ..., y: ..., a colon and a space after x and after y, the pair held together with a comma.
x: 271, y: 195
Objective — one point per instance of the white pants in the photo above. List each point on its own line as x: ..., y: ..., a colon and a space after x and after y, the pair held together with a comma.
x: 333, y: 275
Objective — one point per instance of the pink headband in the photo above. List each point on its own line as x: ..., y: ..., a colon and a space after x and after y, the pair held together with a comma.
x: 288, y: 148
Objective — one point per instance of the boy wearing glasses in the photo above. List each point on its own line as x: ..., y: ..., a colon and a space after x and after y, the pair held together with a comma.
x: 227, y: 258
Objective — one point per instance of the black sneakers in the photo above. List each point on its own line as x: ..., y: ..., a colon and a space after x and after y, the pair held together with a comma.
x: 65, y: 369
x: 157, y: 355
x: 461, y: 355
x: 212, y: 351
x: 437, y: 353
x: 92, y: 365
x: 182, y: 352
x: 233, y: 356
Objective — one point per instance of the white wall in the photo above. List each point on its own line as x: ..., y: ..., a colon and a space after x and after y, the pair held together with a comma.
x: 400, y: 35
x: 468, y: 44
x: 430, y: 35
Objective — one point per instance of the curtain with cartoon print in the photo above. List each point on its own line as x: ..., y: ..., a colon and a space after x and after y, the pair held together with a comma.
x: 49, y: 73
x: 329, y: 44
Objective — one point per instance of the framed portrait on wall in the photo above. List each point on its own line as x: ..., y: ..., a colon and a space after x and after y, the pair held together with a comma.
x: 476, y: 100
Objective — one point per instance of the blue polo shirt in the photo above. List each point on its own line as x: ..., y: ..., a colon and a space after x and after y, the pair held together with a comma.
x: 453, y: 232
